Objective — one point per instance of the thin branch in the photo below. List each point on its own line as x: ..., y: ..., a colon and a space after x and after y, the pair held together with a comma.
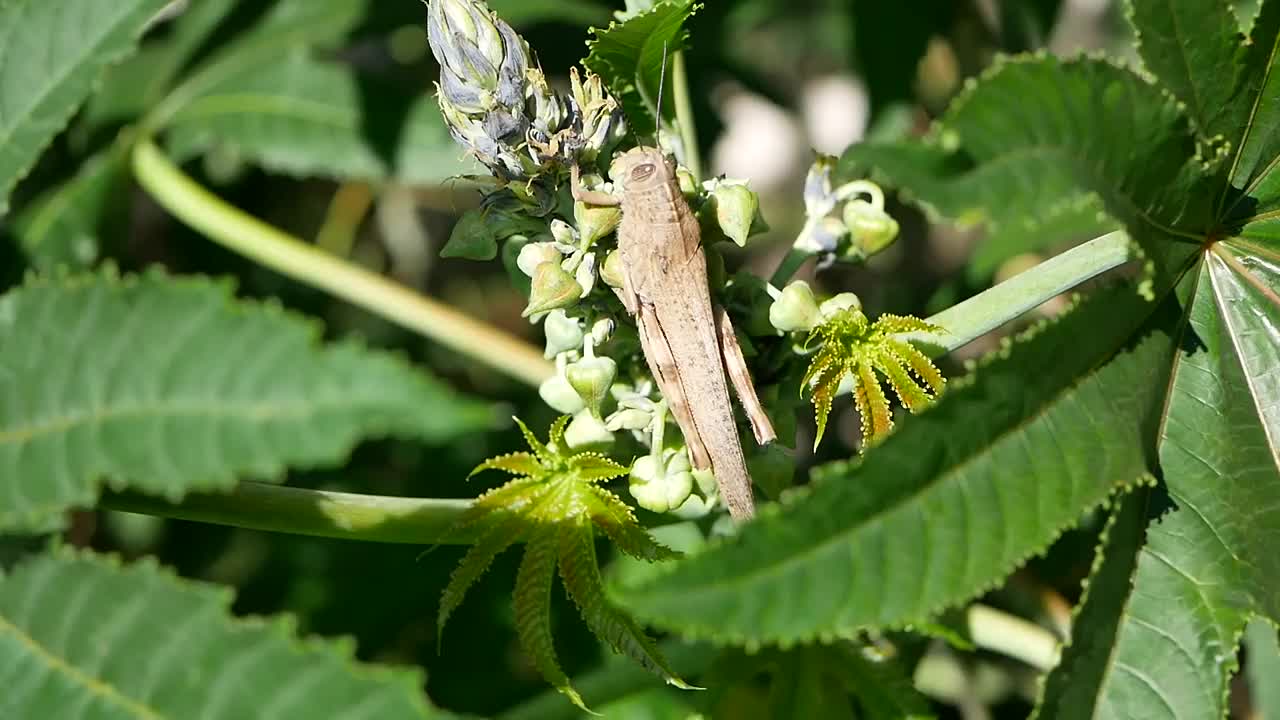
x: 301, y: 511
x: 967, y: 321
x: 242, y: 233
x: 684, y: 115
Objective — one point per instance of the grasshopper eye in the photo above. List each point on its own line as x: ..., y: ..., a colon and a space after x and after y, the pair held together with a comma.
x: 642, y: 171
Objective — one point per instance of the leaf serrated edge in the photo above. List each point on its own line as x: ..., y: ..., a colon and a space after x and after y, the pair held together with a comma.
x: 532, y: 601
x: 222, y: 290
x: 95, y: 85
x: 580, y: 573
x: 282, y: 625
x: 697, y: 631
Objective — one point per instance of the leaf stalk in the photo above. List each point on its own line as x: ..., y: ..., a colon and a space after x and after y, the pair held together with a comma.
x: 248, y: 236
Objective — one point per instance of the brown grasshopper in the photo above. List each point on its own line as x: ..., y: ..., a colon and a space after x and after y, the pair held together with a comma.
x: 688, y: 344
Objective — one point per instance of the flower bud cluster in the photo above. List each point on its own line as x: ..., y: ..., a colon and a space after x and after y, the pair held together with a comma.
x: 796, y: 309
x: 497, y: 102
x: 839, y: 223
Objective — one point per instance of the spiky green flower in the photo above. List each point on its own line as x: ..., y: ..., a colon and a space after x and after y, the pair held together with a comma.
x: 856, y: 348
x: 554, y: 505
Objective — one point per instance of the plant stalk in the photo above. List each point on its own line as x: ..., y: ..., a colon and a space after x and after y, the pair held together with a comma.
x: 966, y: 321
x: 244, y: 234
x: 791, y: 262
x: 684, y: 114
x: 302, y: 511
x: 424, y: 520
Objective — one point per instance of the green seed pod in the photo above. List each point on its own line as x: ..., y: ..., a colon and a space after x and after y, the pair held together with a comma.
x: 796, y: 309
x: 661, y: 485
x: 838, y: 304
x: 629, y: 419
x: 595, y: 221
x: 586, y: 431
x: 736, y: 207
x: 552, y: 288
x: 591, y: 377
x: 688, y: 183
x: 611, y: 269
x: 563, y: 333
x: 870, y: 228
x: 585, y: 274
x: 556, y: 392
x: 602, y: 330
x: 534, y: 254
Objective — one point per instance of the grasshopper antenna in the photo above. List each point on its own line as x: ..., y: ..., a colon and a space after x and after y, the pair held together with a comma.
x: 662, y: 83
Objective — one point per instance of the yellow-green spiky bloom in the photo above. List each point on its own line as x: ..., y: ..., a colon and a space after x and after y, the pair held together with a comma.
x: 554, y: 504
x: 854, y: 347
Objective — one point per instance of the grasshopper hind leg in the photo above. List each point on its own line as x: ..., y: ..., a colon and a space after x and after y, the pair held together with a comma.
x: 662, y: 364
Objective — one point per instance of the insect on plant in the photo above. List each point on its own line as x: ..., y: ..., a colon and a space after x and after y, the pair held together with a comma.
x: 1005, y: 438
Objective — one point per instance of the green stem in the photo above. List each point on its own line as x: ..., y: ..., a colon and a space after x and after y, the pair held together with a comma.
x: 1012, y: 636
x: 258, y: 241
x: 788, y: 267
x: 613, y: 682
x: 423, y: 520
x: 966, y: 321
x: 684, y: 115
x: 301, y: 511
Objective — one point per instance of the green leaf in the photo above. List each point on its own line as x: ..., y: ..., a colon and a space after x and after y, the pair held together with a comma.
x: 533, y: 610
x: 138, y: 83
x: 1023, y: 204
x: 950, y: 503
x: 1210, y: 221
x: 1252, y: 193
x: 63, y: 227
x: 1262, y: 668
x: 166, y: 385
x: 1036, y: 134
x: 1187, y: 44
x: 477, y: 233
x: 1210, y: 561
x: 303, y: 116
x: 1071, y: 688
x: 83, y: 636
x: 54, y: 51
x: 581, y: 575
x: 288, y: 26
x: 629, y: 56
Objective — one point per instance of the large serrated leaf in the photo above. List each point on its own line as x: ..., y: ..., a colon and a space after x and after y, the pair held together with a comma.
x: 1038, y: 133
x: 51, y: 54
x: 62, y: 227
x: 303, y: 116
x: 630, y: 55
x: 1024, y: 205
x: 949, y: 504
x: 1071, y: 688
x: 167, y: 385
x: 83, y: 636
x: 133, y: 86
x: 1263, y: 668
x: 287, y: 27
x: 1209, y: 562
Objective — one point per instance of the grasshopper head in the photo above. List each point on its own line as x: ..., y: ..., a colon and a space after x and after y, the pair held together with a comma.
x: 641, y: 168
